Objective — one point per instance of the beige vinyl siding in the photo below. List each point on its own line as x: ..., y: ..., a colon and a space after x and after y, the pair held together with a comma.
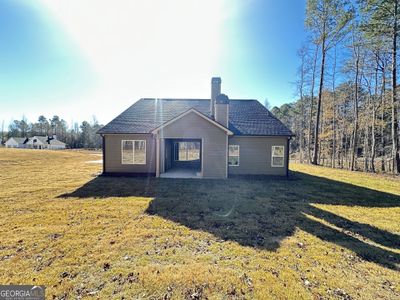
x: 255, y: 155
x: 113, y: 159
x: 214, y: 143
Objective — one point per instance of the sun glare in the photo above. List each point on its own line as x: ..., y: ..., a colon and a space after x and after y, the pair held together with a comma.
x: 144, y: 48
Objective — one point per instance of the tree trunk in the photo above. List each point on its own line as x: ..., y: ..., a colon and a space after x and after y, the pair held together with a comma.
x: 301, y: 129
x: 355, y: 122
x: 321, y: 85
x: 383, y: 106
x: 346, y: 150
x: 333, y: 155
x: 301, y: 142
x: 340, y: 152
x: 395, y: 147
x: 374, y: 108
x: 312, y: 103
x: 366, y: 146
x: 373, y: 146
x: 321, y: 131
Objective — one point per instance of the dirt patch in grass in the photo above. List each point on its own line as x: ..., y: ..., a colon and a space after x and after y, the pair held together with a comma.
x: 321, y: 234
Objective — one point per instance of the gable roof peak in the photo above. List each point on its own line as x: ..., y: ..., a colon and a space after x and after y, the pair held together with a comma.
x: 192, y: 110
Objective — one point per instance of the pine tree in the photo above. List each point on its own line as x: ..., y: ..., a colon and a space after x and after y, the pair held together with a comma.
x: 327, y: 20
x: 381, y: 21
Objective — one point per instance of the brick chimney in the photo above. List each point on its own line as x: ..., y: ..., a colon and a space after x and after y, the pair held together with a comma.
x: 215, y: 91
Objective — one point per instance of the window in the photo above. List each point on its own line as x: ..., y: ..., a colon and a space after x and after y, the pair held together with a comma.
x: 278, y: 156
x: 187, y: 151
x: 133, y: 152
x: 233, y: 155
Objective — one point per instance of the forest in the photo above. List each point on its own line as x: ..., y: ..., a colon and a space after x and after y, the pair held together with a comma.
x: 77, y: 136
x: 347, y: 112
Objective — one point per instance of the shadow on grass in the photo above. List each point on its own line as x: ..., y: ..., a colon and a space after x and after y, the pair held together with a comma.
x: 260, y: 212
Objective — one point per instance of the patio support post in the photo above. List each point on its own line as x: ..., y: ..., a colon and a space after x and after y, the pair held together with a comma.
x: 157, y: 155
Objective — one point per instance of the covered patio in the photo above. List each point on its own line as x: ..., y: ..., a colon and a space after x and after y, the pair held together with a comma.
x: 192, y: 145
x: 182, y: 158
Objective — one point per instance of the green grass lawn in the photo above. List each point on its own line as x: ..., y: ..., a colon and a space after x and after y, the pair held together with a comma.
x: 321, y: 234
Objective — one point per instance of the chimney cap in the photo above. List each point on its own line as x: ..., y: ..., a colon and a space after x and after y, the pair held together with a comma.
x: 222, y: 99
x: 216, y: 80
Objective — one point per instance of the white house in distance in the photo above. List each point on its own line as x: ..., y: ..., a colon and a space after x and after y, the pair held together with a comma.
x: 16, y: 142
x: 44, y: 142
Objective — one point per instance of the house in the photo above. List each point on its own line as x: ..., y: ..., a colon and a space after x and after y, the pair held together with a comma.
x: 45, y: 142
x: 15, y: 142
x: 208, y: 138
x: 54, y: 144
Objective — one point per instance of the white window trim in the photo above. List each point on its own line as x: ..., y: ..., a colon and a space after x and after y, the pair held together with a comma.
x: 272, y: 157
x: 238, y: 156
x: 133, y: 150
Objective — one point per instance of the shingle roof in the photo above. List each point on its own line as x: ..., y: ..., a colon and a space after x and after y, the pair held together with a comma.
x: 46, y: 140
x: 246, y: 117
x: 19, y: 140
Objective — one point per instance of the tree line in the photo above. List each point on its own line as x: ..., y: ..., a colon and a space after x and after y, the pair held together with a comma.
x: 78, y: 136
x: 347, y: 112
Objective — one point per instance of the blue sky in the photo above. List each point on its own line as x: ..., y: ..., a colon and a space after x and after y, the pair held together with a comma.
x: 77, y: 58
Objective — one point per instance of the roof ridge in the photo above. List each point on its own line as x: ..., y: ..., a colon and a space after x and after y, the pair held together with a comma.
x: 192, y: 99
x: 176, y: 99
x: 244, y: 100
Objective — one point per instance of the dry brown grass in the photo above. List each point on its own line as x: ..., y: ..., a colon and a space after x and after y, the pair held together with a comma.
x: 325, y: 233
